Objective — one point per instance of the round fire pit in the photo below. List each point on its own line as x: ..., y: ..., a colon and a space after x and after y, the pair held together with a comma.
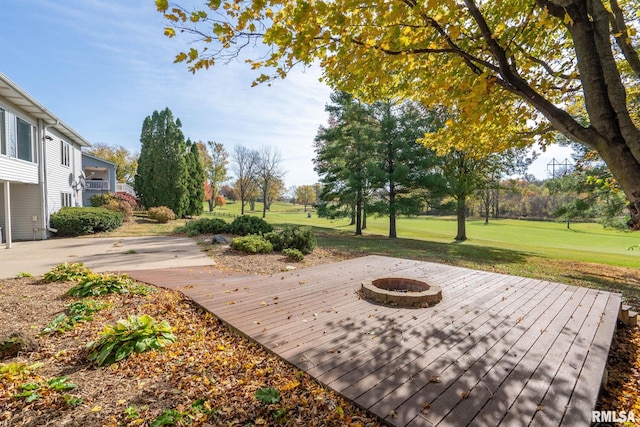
x: 401, y: 292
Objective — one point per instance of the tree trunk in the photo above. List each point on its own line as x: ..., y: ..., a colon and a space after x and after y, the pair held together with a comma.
x: 611, y: 131
x: 210, y: 201
x: 392, y: 214
x: 359, y: 213
x: 461, y: 216
x: 242, y: 203
x: 264, y: 204
x: 364, y: 216
x: 487, y: 203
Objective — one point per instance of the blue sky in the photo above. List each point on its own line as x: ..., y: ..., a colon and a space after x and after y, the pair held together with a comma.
x: 102, y: 66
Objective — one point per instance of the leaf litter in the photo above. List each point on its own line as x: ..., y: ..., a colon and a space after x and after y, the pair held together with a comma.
x: 209, y: 376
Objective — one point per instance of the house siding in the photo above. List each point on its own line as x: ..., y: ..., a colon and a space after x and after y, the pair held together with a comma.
x: 25, y: 205
x: 18, y: 170
x: 107, y: 177
x: 13, y: 169
x: 60, y: 178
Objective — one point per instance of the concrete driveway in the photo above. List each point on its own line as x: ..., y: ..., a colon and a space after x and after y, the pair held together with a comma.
x: 102, y: 254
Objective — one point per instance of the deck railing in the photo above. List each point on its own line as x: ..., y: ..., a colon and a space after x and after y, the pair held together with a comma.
x: 97, y: 185
x: 121, y: 187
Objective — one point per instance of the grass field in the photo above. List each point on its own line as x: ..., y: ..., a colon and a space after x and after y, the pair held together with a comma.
x: 582, y: 242
x: 584, y: 255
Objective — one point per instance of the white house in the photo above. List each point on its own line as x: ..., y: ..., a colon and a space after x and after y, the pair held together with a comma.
x: 40, y: 165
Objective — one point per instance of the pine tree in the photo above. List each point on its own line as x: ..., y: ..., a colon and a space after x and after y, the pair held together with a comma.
x: 161, y: 178
x: 195, y: 179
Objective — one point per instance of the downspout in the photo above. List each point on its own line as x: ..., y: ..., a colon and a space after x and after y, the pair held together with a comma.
x: 43, y: 168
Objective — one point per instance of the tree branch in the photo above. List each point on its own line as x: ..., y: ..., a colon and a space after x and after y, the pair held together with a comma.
x: 621, y: 34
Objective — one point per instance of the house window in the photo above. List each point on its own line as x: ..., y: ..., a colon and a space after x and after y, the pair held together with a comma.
x: 17, y: 137
x: 65, y: 199
x: 25, y: 137
x: 65, y: 153
x: 3, y: 133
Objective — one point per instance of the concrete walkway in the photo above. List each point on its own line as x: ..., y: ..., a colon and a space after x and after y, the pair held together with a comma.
x: 102, y: 254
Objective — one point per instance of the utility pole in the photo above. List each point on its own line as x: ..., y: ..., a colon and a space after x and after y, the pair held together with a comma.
x: 559, y: 169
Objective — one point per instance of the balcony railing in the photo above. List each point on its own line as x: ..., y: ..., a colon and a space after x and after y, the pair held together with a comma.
x: 121, y: 187
x: 97, y: 185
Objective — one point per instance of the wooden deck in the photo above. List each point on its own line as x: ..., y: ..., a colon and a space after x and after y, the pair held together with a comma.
x: 497, y: 350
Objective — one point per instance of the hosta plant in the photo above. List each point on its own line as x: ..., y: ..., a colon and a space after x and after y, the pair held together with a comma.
x: 136, y: 333
x: 100, y: 284
x: 31, y: 391
x: 66, y: 272
x: 79, y: 311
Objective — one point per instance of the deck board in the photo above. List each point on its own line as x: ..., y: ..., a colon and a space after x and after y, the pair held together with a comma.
x: 497, y: 350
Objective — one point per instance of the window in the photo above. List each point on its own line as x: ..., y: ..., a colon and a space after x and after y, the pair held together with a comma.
x: 13, y: 143
x: 65, y: 153
x: 65, y: 199
x: 3, y: 133
x: 25, y: 134
x: 17, y: 137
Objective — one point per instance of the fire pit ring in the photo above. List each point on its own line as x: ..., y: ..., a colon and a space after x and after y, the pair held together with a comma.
x: 401, y: 292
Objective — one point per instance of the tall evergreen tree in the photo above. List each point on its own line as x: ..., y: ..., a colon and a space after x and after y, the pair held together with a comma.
x: 343, y: 156
x: 161, y: 176
x: 402, y: 166
x: 195, y: 180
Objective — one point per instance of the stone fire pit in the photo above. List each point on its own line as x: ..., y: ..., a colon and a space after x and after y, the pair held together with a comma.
x: 401, y: 292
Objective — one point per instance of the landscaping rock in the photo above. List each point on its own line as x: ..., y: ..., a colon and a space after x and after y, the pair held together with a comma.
x: 220, y: 239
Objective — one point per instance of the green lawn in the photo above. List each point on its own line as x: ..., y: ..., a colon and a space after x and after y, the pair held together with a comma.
x: 582, y: 242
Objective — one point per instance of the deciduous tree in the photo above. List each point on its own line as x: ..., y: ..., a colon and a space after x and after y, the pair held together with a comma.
x: 305, y: 195
x: 244, y: 166
x: 268, y: 175
x: 507, y: 68
x: 217, y: 173
x: 126, y: 161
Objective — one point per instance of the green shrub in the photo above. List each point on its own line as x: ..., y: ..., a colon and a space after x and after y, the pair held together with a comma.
x: 137, y: 333
x: 77, y: 221
x: 66, y: 272
x: 162, y: 214
x: 293, y: 237
x: 203, y: 226
x: 101, y: 284
x: 293, y: 254
x: 120, y: 206
x: 101, y: 199
x: 248, y: 224
x: 252, y: 244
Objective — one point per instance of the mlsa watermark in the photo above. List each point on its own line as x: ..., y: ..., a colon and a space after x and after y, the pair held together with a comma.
x: 613, y: 417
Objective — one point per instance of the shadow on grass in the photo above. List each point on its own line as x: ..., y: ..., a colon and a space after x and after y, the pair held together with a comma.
x: 450, y: 253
